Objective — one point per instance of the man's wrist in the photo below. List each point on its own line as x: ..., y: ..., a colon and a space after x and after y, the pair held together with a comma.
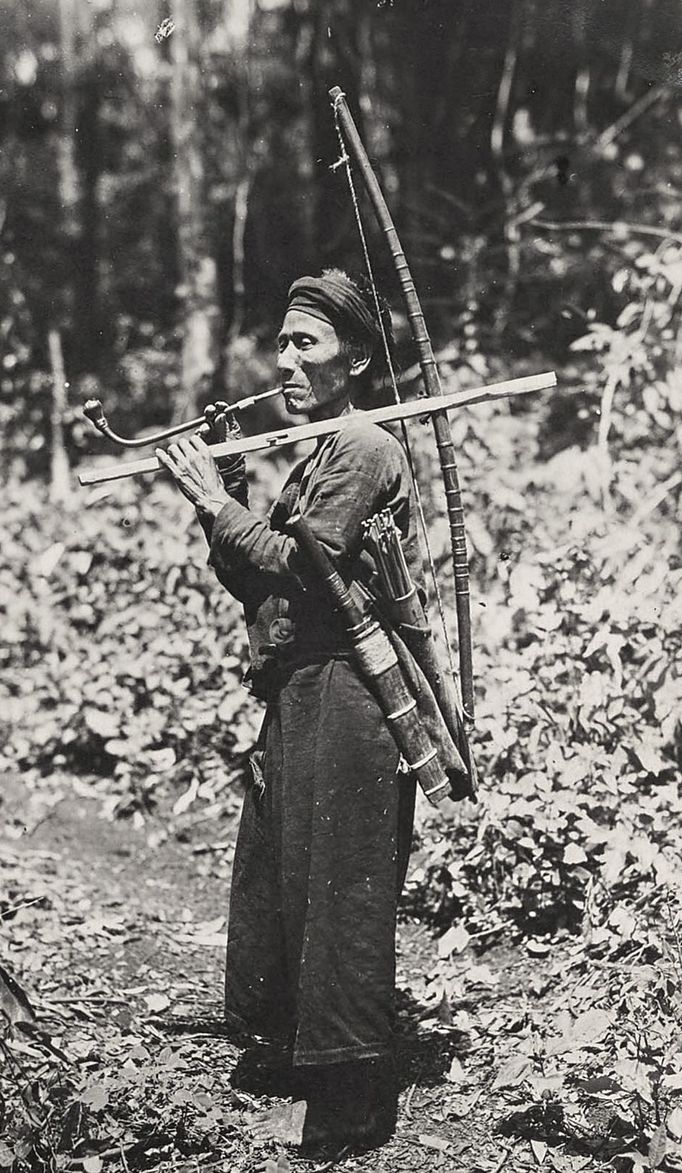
x: 211, y: 505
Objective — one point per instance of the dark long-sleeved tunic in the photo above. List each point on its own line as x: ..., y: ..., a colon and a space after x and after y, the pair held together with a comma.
x: 323, y: 845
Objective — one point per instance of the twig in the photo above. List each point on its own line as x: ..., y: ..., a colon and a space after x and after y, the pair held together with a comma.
x: 408, y: 1101
x: 20, y: 907
x: 606, y: 226
x: 607, y: 136
x: 335, y: 1160
x: 106, y: 1154
x: 675, y: 930
x: 104, y: 998
x: 19, y: 1074
x: 503, y: 1159
x: 603, y: 435
x: 656, y: 498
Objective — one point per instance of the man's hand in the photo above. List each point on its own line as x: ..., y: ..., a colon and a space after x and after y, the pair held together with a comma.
x: 194, y: 470
x: 221, y: 425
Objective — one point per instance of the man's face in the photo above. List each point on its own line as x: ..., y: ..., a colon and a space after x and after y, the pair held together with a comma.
x: 313, y: 369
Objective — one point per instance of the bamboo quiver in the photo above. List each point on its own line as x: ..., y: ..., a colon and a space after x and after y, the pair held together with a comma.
x: 400, y: 600
x: 378, y: 663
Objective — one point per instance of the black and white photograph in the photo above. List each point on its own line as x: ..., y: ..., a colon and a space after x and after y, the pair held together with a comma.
x: 341, y: 586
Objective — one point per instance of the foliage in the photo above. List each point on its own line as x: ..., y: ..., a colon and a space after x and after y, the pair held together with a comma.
x: 121, y: 656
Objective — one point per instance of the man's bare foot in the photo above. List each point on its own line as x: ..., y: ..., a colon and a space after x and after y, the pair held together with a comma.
x: 283, y: 1123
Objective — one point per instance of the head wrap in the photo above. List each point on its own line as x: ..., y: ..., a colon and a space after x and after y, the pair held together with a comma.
x: 335, y: 299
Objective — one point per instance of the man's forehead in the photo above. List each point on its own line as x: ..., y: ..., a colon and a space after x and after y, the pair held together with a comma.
x: 300, y: 322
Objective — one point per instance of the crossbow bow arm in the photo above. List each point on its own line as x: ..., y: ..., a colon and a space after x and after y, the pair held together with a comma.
x: 432, y: 385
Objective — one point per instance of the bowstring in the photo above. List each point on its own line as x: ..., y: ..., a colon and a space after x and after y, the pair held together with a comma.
x: 344, y: 160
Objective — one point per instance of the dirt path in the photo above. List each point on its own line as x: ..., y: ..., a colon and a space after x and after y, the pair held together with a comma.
x: 118, y: 939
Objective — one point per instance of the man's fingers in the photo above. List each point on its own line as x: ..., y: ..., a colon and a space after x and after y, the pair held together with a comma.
x: 184, y: 451
x: 173, y: 458
x: 197, y: 444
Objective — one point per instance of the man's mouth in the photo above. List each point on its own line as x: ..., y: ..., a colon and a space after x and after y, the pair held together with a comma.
x: 292, y: 392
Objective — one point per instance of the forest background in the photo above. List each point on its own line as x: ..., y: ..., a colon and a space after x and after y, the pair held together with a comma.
x: 159, y: 193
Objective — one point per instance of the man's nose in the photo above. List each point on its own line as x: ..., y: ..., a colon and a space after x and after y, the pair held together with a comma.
x: 287, y: 359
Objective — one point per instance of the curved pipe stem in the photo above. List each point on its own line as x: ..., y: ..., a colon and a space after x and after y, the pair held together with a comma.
x: 94, y: 411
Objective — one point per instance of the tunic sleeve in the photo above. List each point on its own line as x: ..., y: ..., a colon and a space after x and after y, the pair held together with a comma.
x: 233, y: 476
x: 351, y: 480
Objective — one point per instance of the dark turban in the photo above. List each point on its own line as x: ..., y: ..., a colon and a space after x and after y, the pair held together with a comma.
x: 335, y: 299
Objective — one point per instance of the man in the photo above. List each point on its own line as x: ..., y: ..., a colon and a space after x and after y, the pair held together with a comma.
x: 325, y: 830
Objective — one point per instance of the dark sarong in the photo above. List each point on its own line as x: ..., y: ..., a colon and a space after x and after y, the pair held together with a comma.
x: 320, y: 863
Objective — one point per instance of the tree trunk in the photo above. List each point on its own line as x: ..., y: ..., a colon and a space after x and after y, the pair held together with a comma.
x: 60, y: 474
x: 237, y: 18
x: 196, y: 263
x: 78, y: 171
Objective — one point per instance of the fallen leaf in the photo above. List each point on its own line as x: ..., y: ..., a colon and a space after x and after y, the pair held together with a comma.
x: 573, y: 854
x: 434, y: 1142
x: 454, y: 941
x: 538, y: 948
x: 92, y: 1164
x: 456, y: 1074
x: 638, y: 1161
x: 546, y: 1083
x: 48, y: 560
x: 207, y: 927
x: 185, y: 800
x: 539, y: 1150
x: 105, y: 725
x: 674, y: 1123
x: 209, y: 940
x: 14, y: 1003
x: 587, y: 1029
x: 96, y: 1097
x: 513, y: 1072
x: 157, y: 1002
x: 657, y: 1146
x: 481, y: 975
x: 281, y: 1165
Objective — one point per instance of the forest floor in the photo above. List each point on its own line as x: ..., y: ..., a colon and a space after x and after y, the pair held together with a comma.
x: 118, y: 938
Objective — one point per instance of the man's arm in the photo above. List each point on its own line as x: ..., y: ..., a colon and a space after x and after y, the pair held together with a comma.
x: 352, y: 481
x: 356, y: 478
